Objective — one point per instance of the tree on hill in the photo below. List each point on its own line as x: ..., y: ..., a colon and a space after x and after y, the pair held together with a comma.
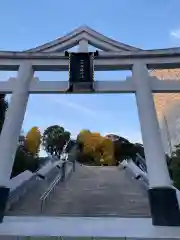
x: 26, y: 157
x: 24, y: 161
x: 107, y: 152
x: 123, y: 149
x: 54, y: 138
x: 33, y: 141
x: 95, y: 149
x: 174, y: 166
x: 139, y: 149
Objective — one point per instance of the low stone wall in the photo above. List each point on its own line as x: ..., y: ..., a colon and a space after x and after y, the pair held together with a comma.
x: 141, y: 175
x: 23, y: 182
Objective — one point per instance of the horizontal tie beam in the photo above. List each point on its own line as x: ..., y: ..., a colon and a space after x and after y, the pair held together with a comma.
x: 126, y: 86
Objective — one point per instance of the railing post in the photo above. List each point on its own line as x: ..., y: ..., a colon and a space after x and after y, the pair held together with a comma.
x: 74, y: 165
x: 63, y: 169
x: 42, y: 205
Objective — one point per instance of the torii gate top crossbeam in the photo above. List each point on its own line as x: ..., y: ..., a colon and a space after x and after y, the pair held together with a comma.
x: 52, y: 61
x: 115, y: 55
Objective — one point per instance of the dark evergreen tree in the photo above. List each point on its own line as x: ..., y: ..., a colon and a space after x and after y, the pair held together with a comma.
x: 3, y: 108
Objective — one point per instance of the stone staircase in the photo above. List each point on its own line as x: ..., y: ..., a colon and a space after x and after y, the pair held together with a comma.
x: 91, y: 192
x: 30, y: 202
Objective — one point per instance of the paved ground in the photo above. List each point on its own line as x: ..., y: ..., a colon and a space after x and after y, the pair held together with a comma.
x: 94, y: 191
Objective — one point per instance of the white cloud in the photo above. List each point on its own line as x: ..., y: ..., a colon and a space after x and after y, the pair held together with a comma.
x: 175, y: 33
x: 76, y: 106
x: 97, y: 114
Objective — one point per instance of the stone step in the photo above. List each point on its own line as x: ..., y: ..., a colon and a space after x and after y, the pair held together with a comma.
x: 93, y: 191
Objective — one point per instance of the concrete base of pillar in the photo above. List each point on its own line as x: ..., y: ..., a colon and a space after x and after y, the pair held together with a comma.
x: 4, y: 194
x: 164, y: 207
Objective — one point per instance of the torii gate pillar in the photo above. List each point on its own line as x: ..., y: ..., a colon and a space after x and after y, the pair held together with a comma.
x: 11, y: 130
x: 162, y: 196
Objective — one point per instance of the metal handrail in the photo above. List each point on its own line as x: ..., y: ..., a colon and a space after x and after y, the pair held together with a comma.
x: 60, y: 178
x: 46, y: 194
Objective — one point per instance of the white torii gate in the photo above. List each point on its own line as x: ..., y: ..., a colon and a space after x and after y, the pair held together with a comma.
x: 115, y: 56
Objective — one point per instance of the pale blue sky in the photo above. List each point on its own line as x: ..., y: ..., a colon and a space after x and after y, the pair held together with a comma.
x: 140, y: 23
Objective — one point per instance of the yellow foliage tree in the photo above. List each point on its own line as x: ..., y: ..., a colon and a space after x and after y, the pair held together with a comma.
x: 98, y: 147
x: 108, y: 152
x: 33, y: 140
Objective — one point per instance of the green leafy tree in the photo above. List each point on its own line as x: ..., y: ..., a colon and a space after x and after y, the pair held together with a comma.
x: 24, y: 161
x: 139, y: 149
x: 123, y: 149
x: 174, y: 166
x: 54, y: 139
